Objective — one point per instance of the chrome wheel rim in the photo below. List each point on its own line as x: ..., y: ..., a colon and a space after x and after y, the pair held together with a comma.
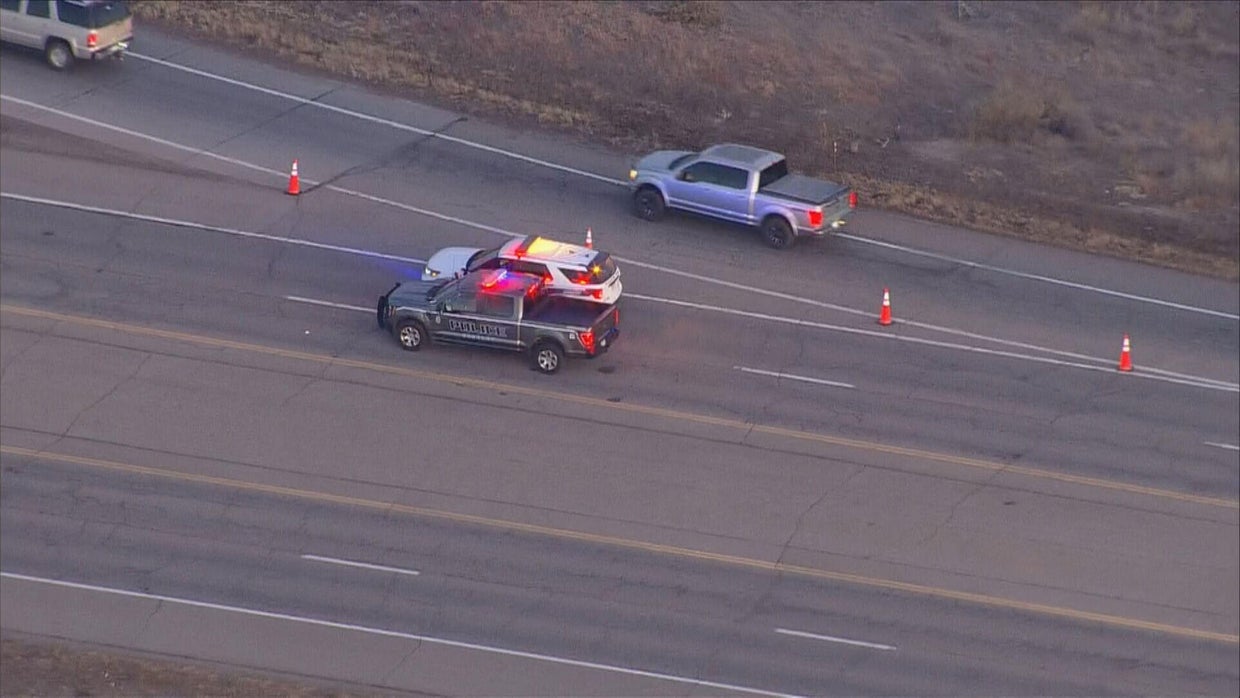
x: 59, y: 56
x: 410, y: 337
x: 547, y: 360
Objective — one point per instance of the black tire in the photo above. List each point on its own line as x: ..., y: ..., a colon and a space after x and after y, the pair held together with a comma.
x: 547, y: 357
x: 648, y: 204
x: 411, y: 335
x: 58, y: 54
x: 777, y: 233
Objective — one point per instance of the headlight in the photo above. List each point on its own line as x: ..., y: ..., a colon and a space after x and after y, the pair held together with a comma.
x: 632, y: 175
x: 431, y: 273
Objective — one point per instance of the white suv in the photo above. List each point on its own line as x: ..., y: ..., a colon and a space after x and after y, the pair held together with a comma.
x: 68, y: 29
x: 568, y: 269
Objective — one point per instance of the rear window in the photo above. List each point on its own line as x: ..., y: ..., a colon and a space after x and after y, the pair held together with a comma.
x: 495, y: 305
x: 773, y: 174
x: 600, y: 269
x: 95, y: 15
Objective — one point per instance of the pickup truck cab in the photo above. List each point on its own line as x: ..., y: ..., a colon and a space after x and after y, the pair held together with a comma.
x: 742, y: 184
x: 501, y: 309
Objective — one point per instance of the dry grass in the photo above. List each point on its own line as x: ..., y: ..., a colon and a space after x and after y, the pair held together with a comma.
x: 1135, y: 97
x: 36, y: 668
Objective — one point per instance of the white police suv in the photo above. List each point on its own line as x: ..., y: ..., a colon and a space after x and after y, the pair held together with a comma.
x: 572, y: 270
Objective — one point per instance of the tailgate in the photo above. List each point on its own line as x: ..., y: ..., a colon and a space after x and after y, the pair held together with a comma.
x: 840, y: 208
x: 115, y: 32
x: 111, y: 21
x: 607, y: 323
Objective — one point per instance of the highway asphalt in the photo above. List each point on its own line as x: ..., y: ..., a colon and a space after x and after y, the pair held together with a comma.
x: 974, y: 494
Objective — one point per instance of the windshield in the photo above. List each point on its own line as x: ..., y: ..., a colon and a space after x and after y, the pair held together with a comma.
x: 772, y: 174
x: 481, y: 257
x: 680, y: 161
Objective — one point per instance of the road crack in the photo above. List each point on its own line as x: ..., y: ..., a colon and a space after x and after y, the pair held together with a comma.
x: 65, y: 434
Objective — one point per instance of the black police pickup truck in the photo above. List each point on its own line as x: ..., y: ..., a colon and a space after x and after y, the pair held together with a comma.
x: 502, y: 309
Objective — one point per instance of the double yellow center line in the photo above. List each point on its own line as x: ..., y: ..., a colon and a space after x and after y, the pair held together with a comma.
x: 660, y: 412
x: 625, y: 543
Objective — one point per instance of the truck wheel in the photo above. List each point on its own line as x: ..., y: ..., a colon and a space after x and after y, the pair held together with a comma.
x: 58, y: 54
x: 547, y: 356
x: 411, y: 335
x: 648, y: 204
x: 777, y: 233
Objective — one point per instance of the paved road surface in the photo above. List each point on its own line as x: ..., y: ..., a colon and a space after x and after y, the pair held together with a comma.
x: 1014, y: 514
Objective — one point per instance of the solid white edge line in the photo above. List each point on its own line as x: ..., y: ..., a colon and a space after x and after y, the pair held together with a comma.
x: 790, y: 376
x: 378, y: 120
x: 1229, y: 447
x: 1202, y: 383
x: 1207, y: 383
x: 645, y: 265
x: 396, y: 634
x: 1147, y: 372
x: 1194, y: 380
x: 328, y: 304
x: 609, y: 180
x: 213, y: 228
x: 831, y: 638
x: 1039, y: 277
x: 363, y: 565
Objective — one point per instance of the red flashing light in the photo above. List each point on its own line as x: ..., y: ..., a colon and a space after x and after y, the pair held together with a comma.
x: 587, y: 341
x: 524, y: 248
x: 852, y: 199
x: 494, y: 278
x: 92, y: 39
x: 815, y: 219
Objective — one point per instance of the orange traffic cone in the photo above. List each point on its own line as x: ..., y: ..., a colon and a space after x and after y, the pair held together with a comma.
x: 884, y: 318
x: 1125, y: 356
x: 589, y: 239
x: 294, y: 182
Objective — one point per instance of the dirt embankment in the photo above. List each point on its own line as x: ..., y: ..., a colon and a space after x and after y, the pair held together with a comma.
x: 38, y: 667
x: 1107, y: 127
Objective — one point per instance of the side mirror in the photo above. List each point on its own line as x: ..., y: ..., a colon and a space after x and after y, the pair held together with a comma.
x: 685, y: 176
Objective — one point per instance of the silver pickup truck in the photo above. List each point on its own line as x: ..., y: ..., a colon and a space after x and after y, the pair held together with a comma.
x: 742, y: 184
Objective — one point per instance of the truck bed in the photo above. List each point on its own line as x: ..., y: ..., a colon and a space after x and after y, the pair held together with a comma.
x: 561, y: 310
x: 807, y: 190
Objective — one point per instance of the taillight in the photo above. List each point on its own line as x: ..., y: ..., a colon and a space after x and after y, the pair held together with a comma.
x: 587, y: 341
x: 597, y: 293
x: 815, y: 219
x: 852, y: 199
x: 92, y: 39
